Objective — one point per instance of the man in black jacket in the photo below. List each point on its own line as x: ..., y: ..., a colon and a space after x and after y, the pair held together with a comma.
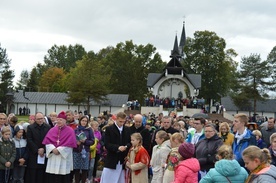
x: 137, y: 127
x: 117, y: 144
x: 166, y: 126
x: 36, y: 133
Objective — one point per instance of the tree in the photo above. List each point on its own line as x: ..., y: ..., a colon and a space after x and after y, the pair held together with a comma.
x: 23, y: 81
x: 255, y: 80
x: 87, y: 82
x: 129, y: 65
x: 271, y: 59
x: 206, y: 54
x: 35, y: 75
x: 63, y: 56
x: 6, y: 77
x: 51, y: 80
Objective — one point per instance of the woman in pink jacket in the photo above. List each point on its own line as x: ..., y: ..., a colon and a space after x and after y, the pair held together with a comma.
x: 187, y: 170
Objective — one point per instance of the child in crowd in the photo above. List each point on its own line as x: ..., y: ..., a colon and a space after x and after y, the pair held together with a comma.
x: 160, y: 153
x: 187, y: 170
x: 174, y: 157
x: 95, y: 150
x: 7, y: 154
x: 137, y: 160
x: 21, y: 154
x: 227, y: 169
x: 257, y: 161
x: 272, y: 148
x: 260, y: 143
x: 92, y: 160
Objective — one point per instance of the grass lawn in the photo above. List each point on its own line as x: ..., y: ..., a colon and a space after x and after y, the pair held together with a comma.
x: 23, y: 118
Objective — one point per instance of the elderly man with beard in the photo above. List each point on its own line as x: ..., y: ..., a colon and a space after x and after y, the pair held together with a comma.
x: 71, y: 120
x: 137, y: 127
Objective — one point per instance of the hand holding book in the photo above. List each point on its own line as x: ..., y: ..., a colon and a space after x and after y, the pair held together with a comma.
x: 81, y: 136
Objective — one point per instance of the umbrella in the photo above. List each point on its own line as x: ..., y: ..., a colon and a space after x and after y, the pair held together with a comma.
x: 200, y: 115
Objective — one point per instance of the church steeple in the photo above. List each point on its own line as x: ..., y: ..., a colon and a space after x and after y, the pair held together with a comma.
x: 182, y: 40
x: 175, y: 51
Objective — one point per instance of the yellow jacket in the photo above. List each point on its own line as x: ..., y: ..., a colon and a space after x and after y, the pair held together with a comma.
x: 229, y: 140
x: 93, y: 149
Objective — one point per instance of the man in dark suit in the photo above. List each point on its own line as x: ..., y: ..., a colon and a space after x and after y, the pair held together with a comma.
x: 166, y: 126
x: 117, y: 144
x: 36, y: 133
x: 137, y: 127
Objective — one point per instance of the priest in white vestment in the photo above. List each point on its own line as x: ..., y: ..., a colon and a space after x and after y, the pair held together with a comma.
x: 59, y: 142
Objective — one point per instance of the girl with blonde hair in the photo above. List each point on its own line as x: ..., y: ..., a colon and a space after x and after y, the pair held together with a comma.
x: 160, y: 153
x: 257, y: 161
x: 137, y: 161
x: 174, y: 157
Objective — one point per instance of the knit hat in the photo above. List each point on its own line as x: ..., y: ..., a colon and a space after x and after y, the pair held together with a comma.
x: 17, y: 128
x: 62, y: 115
x: 186, y: 150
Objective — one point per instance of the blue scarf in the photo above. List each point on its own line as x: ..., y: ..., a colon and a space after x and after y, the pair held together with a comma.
x: 81, y: 128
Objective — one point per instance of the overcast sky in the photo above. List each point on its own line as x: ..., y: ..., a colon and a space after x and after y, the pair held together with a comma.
x: 28, y: 28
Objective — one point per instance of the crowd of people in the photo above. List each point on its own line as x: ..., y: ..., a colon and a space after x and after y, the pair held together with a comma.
x: 68, y: 147
x: 171, y: 102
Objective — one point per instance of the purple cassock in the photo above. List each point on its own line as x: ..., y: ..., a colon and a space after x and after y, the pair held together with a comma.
x: 61, y: 136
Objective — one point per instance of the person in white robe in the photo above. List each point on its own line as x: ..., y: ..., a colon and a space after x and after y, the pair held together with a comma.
x: 59, y: 142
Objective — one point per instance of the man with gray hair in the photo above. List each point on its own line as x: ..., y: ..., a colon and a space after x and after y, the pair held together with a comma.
x: 268, y: 130
x: 137, y: 127
x: 36, y: 133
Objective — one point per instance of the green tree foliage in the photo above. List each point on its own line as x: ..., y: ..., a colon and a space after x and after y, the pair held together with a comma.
x: 87, y: 82
x: 255, y: 81
x: 129, y: 65
x: 64, y: 57
x: 6, y: 77
x: 52, y: 80
x: 206, y: 54
x: 271, y: 59
x: 23, y: 81
x: 35, y: 75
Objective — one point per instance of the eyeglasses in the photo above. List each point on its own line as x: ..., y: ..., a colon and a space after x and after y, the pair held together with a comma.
x: 39, y: 118
x: 197, y: 123
x: 208, y: 131
x: 2, y: 118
